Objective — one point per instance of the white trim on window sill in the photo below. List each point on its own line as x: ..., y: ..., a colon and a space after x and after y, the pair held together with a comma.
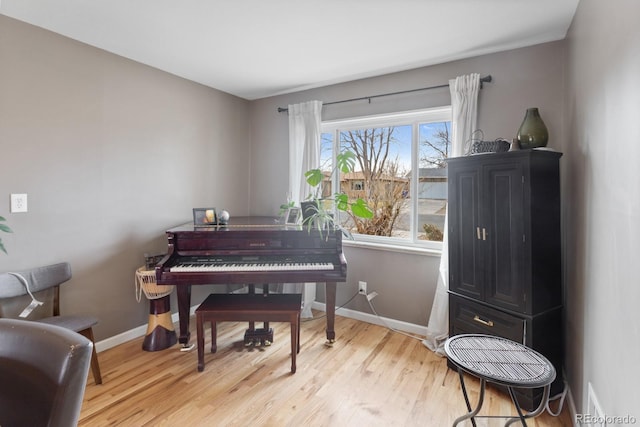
x: 415, y: 250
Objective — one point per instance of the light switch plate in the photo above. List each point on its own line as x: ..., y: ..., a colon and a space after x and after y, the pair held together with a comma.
x: 18, y: 203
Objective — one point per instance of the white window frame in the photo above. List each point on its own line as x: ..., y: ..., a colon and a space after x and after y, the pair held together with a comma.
x: 413, y: 118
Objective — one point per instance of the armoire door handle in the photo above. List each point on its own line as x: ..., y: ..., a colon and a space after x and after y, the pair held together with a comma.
x: 481, y: 235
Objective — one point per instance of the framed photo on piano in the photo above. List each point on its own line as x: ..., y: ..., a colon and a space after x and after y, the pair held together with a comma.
x: 204, y: 217
x: 293, y: 216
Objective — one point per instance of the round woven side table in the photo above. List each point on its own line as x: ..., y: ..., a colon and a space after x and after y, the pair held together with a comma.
x: 501, y: 361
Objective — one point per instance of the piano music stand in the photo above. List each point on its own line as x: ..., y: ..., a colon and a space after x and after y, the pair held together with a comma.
x: 160, y: 332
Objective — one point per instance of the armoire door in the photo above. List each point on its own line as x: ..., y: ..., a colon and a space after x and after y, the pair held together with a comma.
x: 502, y: 213
x: 466, y: 271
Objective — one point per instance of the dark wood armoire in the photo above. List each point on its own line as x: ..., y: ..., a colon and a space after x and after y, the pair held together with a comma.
x: 505, y: 266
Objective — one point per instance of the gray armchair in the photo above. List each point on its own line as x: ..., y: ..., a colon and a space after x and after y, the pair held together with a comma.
x: 43, y: 374
x: 51, y: 277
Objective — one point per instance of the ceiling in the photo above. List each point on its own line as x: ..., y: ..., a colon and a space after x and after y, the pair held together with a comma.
x: 258, y: 48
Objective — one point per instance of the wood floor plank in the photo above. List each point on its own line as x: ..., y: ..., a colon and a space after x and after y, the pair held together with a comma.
x: 371, y: 376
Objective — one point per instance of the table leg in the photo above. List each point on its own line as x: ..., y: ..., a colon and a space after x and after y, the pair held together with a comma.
x: 472, y: 413
x: 521, y: 416
x: 298, y: 339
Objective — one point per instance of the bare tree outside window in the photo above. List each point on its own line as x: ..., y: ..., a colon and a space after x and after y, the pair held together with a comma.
x: 381, y: 176
x: 435, y: 148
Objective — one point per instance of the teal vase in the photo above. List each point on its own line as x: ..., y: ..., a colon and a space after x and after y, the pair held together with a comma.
x: 533, y: 132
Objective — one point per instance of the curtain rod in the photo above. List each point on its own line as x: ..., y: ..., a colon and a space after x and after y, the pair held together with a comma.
x: 486, y: 79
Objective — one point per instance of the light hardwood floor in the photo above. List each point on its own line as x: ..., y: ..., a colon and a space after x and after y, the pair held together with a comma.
x: 370, y: 377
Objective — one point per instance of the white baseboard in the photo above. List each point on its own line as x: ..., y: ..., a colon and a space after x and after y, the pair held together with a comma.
x: 115, y: 340
x: 372, y: 318
x: 139, y: 331
x: 131, y: 334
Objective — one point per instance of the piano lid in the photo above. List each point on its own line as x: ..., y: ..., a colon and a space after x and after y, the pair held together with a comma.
x: 253, y: 234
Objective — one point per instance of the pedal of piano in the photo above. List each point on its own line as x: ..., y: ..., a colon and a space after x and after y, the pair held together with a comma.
x: 262, y: 336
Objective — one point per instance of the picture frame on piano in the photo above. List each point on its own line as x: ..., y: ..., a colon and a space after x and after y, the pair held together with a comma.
x: 204, y: 217
x: 151, y: 260
x: 293, y: 216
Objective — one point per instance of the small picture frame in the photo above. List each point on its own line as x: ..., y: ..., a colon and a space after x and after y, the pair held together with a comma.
x: 293, y: 216
x: 151, y: 260
x: 204, y: 217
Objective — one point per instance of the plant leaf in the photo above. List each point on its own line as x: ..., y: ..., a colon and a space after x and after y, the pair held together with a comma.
x: 342, y: 202
x: 313, y: 177
x: 6, y: 229
x: 361, y: 209
x: 346, y: 161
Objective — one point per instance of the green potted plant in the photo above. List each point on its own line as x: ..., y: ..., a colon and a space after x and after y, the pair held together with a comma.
x: 6, y: 229
x: 318, y: 212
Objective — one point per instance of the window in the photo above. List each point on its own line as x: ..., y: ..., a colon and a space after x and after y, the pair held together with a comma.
x: 400, y: 172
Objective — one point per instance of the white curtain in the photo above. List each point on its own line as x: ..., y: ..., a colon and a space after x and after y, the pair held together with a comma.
x: 304, y: 154
x: 464, y: 106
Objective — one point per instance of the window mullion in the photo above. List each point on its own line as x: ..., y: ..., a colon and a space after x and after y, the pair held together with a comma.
x: 335, y: 178
x: 415, y: 175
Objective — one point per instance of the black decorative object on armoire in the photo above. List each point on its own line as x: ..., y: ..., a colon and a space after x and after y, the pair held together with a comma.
x: 505, y: 275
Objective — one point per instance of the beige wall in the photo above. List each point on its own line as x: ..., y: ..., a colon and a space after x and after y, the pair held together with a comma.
x: 111, y: 153
x: 529, y: 77
x: 602, y: 205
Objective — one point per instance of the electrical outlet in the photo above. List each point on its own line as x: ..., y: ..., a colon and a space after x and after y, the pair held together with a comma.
x: 18, y: 203
x: 362, y: 288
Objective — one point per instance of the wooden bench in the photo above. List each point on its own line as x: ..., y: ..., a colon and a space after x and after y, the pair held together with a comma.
x: 248, y: 308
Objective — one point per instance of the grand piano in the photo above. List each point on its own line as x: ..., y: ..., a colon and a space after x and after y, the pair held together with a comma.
x: 249, y: 251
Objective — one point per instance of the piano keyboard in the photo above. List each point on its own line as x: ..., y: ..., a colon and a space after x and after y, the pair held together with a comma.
x: 251, y: 266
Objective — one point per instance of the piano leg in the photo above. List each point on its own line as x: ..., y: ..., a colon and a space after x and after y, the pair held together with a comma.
x: 252, y: 326
x: 268, y: 339
x: 184, y: 303
x: 330, y: 294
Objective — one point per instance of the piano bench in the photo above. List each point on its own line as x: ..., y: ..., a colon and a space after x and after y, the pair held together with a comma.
x: 248, y: 308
